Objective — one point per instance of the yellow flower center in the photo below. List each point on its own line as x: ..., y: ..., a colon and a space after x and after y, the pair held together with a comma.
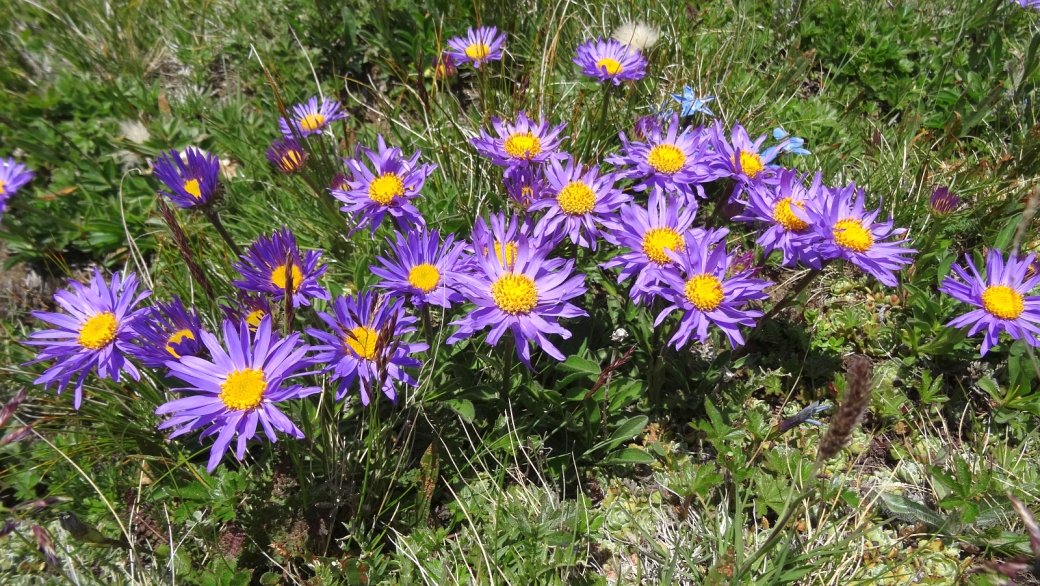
x: 666, y: 158
x: 611, y: 65
x: 178, y: 337
x: 656, y: 240
x: 312, y: 122
x: 576, y: 199
x: 514, y: 294
x: 291, y: 161
x: 385, y: 188
x: 477, y: 51
x: 362, y: 340
x: 506, y: 258
x: 2, y: 184
x: 98, y: 331
x: 1003, y: 302
x: 192, y: 187
x: 783, y: 215
x: 243, y: 389
x: 522, y: 145
x: 278, y: 277
x: 750, y: 163
x: 704, y: 291
x: 254, y: 317
x: 424, y: 277
x: 850, y: 233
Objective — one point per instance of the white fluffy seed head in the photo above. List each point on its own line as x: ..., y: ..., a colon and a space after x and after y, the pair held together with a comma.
x: 637, y: 34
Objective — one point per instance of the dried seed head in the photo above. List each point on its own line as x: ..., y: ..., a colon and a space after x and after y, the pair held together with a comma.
x: 858, y: 386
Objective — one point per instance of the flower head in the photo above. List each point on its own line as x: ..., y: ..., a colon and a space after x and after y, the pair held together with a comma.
x: 637, y: 34
x: 287, y: 155
x: 582, y: 199
x: 1001, y: 298
x: 167, y: 331
x: 850, y: 233
x: 525, y: 185
x: 478, y: 46
x: 445, y: 66
x: 500, y: 237
x: 699, y: 286
x: 95, y: 334
x: 790, y: 144
x: 782, y: 208
x: 610, y: 61
x: 521, y: 291
x: 12, y: 177
x: 389, y: 190
x: 191, y: 176
x: 690, y: 103
x: 309, y: 118
x: 646, y: 127
x: 248, y: 308
x: 270, y: 264
x: 366, y: 344
x: 519, y: 144
x: 943, y: 203
x: 422, y: 268
x: 743, y: 156
x: 238, y: 388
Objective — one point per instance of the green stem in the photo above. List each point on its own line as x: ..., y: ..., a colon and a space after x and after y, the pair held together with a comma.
x: 507, y: 367
x: 792, y: 294
x: 214, y: 218
x: 427, y: 321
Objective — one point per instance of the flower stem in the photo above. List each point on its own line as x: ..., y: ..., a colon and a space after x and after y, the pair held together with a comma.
x: 214, y: 218
x: 427, y: 321
x: 791, y: 295
x: 507, y: 367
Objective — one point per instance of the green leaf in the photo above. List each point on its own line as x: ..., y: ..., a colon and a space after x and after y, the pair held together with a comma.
x: 464, y: 408
x: 628, y: 456
x: 579, y: 364
x: 909, y: 511
x: 628, y: 429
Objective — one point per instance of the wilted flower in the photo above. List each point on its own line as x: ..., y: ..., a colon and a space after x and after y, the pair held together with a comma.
x: 610, y: 61
x: 521, y: 143
x: 190, y: 176
x: 690, y: 103
x: 581, y: 200
x: 637, y: 34
x: 309, y: 118
x: 943, y: 203
x: 422, y: 268
x: 287, y: 155
x: 166, y: 332
x: 270, y: 262
x: 12, y: 177
x: 478, y: 46
x: 339, y: 181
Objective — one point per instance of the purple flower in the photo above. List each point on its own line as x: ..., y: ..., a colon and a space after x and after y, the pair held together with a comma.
x: 647, y: 234
x: 166, y: 332
x: 525, y: 294
x: 248, y: 308
x: 366, y: 344
x: 309, y: 118
x: 581, y: 200
x: 742, y: 156
x: 1001, y: 298
x: 12, y: 177
x: 502, y: 237
x: 287, y: 155
x: 478, y: 46
x: 610, y: 60
x: 391, y: 189
x: 421, y: 268
x: 698, y: 286
x: 521, y: 143
x: 238, y: 388
x: 525, y: 185
x: 645, y: 127
x: 849, y: 233
x: 191, y: 185
x: 943, y: 203
x: 263, y: 269
x: 96, y: 334
x: 445, y: 66
x: 782, y: 208
x: 672, y: 162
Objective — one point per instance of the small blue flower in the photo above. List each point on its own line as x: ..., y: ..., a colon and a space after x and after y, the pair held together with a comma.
x: 691, y: 104
x: 804, y: 416
x: 793, y: 144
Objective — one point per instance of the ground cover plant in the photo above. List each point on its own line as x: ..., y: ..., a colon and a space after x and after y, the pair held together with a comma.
x: 539, y: 292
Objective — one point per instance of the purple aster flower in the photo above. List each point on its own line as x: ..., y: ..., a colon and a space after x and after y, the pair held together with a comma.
x: 263, y: 269
x: 190, y: 176
x: 645, y: 127
x: 742, y: 155
x: 502, y: 237
x: 309, y: 118
x: 238, y: 388
x: 849, y: 233
x: 581, y: 200
x: 96, y: 334
x: 647, y: 234
x: 1001, y: 298
x: 391, y: 189
x: 445, y: 66
x: 521, y: 143
x: 421, y: 268
x: 610, y: 60
x: 339, y: 182
x: 167, y: 332
x: 478, y: 46
x: 782, y: 208
x: 525, y: 185
x: 674, y: 162
x: 698, y: 285
x: 943, y: 203
x: 366, y: 344
x: 287, y: 155
x: 249, y: 308
x: 12, y: 177
x: 525, y: 294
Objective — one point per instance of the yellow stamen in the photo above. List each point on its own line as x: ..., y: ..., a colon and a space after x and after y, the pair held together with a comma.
x: 704, y: 291
x: 522, y: 145
x: 666, y: 158
x: 576, y: 199
x: 1003, y: 302
x: 514, y: 294
x: 750, y: 163
x: 278, y: 277
x: 2, y: 191
x: 254, y: 317
x: 98, y: 331
x: 385, y: 188
x: 312, y: 122
x: 362, y: 340
x: 656, y: 240
x: 243, y: 389
x: 506, y: 258
x: 192, y: 187
x: 477, y: 51
x: 424, y: 277
x: 292, y: 161
x: 178, y: 337
x: 784, y: 216
x: 612, y: 66
x: 850, y: 233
